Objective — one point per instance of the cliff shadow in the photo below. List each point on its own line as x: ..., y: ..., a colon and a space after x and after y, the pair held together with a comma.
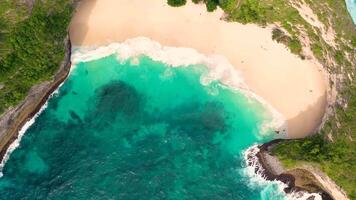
x: 308, y: 120
x: 79, y: 26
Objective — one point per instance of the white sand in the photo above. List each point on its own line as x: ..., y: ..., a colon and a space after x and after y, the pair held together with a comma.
x: 294, y: 87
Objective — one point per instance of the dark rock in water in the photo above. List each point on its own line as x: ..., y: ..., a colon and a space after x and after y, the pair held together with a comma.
x: 296, y: 179
x: 289, y: 180
x: 311, y: 198
x: 326, y: 196
x: 74, y: 116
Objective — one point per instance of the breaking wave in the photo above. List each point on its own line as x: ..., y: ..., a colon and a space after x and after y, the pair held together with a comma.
x: 256, y: 173
x: 219, y: 68
x: 22, y: 131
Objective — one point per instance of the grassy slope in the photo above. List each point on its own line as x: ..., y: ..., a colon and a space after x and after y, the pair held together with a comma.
x: 336, y: 156
x: 31, y: 45
x: 31, y: 48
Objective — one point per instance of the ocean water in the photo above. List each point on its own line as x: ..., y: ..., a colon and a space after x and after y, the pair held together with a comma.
x: 138, y: 128
x: 351, y: 7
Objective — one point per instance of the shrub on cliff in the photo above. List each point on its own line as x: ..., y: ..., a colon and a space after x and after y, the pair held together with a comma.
x: 176, y: 3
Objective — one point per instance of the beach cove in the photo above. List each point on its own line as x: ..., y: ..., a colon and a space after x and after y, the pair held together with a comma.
x: 120, y: 121
x: 241, y: 78
x: 295, y: 88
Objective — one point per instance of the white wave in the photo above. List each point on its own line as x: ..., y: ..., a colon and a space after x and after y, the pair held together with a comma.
x: 219, y: 68
x: 251, y: 164
x: 303, y: 196
x: 23, y: 130
x: 257, y: 179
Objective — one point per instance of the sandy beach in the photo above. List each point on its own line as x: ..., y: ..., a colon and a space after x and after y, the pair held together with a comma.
x: 296, y: 88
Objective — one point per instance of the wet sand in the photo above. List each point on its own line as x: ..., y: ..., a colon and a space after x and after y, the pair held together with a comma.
x: 294, y: 87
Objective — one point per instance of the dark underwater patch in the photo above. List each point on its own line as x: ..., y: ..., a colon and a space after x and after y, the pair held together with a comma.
x: 198, y: 120
x: 75, y: 116
x: 118, y: 97
x: 127, y: 142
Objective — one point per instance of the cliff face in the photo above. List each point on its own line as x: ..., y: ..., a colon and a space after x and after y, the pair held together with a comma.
x: 13, y: 120
x: 339, y: 127
x: 302, y: 178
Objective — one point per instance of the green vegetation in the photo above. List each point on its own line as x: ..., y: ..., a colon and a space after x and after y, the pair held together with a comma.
x: 211, y: 5
x: 292, y: 43
x: 333, y: 150
x: 32, y: 45
x: 176, y: 3
x: 31, y: 49
x: 337, y: 158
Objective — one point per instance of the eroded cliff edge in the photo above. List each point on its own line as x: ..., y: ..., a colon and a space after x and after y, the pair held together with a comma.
x: 304, y: 178
x: 12, y: 121
x: 14, y: 118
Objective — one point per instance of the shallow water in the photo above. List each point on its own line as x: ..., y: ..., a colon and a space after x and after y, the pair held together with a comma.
x: 139, y: 129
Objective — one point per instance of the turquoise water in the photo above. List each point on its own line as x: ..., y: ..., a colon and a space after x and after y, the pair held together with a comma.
x: 351, y: 7
x: 148, y: 131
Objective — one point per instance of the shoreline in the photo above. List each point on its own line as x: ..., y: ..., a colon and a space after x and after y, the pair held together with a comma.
x: 220, y: 69
x: 268, y: 171
x: 304, y: 179
x: 269, y: 69
x: 13, y: 120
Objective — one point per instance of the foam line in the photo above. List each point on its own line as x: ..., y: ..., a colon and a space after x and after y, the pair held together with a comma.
x: 16, y: 143
x: 257, y: 178
x: 219, y: 68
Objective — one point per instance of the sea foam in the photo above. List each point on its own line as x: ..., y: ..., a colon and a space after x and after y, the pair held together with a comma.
x: 257, y: 178
x: 219, y: 68
x: 22, y: 131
